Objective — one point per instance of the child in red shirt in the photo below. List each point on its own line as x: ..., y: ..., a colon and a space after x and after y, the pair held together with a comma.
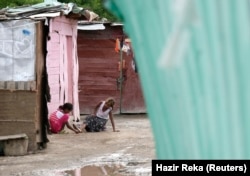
x: 59, y: 119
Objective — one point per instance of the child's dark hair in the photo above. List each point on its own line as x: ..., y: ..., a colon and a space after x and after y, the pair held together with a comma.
x: 67, y: 106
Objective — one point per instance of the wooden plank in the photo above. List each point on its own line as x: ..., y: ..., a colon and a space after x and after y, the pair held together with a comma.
x: 61, y: 67
x: 17, y: 105
x: 28, y: 85
x: 97, y: 83
x: 10, y: 137
x: 109, y: 33
x: 52, y: 47
x: 63, y: 25
x: 96, y: 70
x: 54, y: 25
x: 101, y: 53
x: 70, y: 67
x: 55, y: 99
x: 98, y: 43
x: 2, y: 84
x: 33, y: 85
x: 20, y: 85
x: 105, y: 65
x: 37, y: 85
x: 66, y: 67
x: 98, y: 61
x: 68, y: 21
x: 55, y: 52
x: 10, y: 85
x: 98, y: 87
x: 54, y: 63
x: 99, y: 74
x: 54, y: 79
x: 76, y: 110
x: 100, y: 92
x: 53, y: 70
x: 54, y: 37
x: 54, y: 89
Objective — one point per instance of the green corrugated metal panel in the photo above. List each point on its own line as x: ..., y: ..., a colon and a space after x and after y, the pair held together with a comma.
x: 198, y: 92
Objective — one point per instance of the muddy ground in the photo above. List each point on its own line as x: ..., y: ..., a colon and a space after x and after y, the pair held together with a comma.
x: 130, y: 151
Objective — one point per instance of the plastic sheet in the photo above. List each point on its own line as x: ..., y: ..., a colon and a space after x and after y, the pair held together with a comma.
x: 197, y: 93
x: 17, y: 50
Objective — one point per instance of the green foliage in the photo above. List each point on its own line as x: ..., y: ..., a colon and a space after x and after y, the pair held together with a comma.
x: 14, y: 3
x: 94, y: 5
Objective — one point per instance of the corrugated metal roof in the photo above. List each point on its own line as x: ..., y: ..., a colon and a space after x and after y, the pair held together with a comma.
x: 96, y: 25
x: 56, y: 14
x: 47, y: 9
x: 91, y: 27
x: 117, y: 24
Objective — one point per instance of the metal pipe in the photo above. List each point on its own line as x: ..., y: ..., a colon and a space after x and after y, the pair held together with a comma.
x: 121, y: 74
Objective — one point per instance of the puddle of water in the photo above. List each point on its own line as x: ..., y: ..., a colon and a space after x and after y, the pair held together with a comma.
x: 110, y: 170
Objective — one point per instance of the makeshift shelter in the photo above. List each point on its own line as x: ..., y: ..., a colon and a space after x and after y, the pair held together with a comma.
x: 38, y: 64
x: 100, y: 69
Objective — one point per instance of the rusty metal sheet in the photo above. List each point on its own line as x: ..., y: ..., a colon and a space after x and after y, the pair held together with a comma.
x: 98, y: 73
x: 132, y: 97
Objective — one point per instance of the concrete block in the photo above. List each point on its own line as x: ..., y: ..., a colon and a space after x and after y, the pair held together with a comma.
x: 15, y: 145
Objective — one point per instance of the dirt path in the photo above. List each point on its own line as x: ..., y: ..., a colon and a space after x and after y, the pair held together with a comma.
x: 132, y: 149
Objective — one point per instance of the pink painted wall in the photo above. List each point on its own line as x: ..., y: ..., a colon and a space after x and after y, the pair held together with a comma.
x: 62, y: 64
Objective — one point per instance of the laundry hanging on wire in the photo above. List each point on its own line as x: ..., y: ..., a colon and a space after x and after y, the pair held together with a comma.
x: 124, y: 44
x: 126, y: 47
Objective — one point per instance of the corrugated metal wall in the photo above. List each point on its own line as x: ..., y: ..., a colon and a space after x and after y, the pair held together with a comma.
x: 98, y: 69
x: 132, y: 97
x: 98, y: 65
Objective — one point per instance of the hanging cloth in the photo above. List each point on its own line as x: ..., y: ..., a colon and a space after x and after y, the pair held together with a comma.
x: 117, y: 45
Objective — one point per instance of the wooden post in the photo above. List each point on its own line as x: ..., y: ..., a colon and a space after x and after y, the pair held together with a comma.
x: 121, y: 75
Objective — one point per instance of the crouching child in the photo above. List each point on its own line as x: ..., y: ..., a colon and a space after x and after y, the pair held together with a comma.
x: 60, y: 118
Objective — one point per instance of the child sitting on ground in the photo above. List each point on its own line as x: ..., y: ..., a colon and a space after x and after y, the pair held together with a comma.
x: 59, y: 119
